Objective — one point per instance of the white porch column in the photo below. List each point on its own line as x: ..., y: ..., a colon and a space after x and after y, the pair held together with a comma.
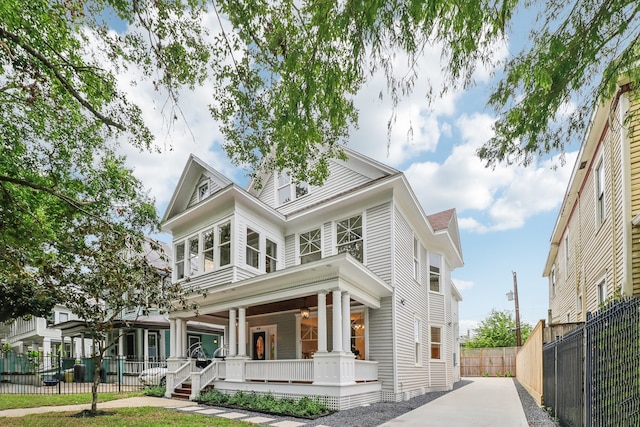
x: 242, y: 332
x: 185, y: 340
x: 179, y: 339
x: 346, y: 323
x: 232, y: 333
x: 172, y: 338
x: 337, y: 322
x: 120, y: 343
x: 139, y: 344
x: 145, y: 348
x: 84, y: 350
x: 322, y: 322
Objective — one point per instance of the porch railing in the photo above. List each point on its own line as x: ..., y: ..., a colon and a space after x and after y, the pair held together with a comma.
x: 279, y: 370
x: 366, y: 370
x: 201, y: 379
x: 132, y: 367
x: 183, y: 373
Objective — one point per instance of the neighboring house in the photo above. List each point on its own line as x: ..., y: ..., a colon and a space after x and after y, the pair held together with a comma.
x: 143, y: 339
x: 44, y: 335
x: 342, y: 291
x: 595, y: 245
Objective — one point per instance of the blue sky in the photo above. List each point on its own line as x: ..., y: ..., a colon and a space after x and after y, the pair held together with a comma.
x: 506, y: 214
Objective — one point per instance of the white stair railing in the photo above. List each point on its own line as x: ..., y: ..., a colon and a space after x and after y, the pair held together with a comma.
x: 203, y: 378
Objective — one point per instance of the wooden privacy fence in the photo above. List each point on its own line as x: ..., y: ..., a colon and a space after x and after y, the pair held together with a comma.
x: 492, y: 362
x: 529, y: 361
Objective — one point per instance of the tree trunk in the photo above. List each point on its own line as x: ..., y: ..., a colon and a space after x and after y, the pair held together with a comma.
x: 97, y: 359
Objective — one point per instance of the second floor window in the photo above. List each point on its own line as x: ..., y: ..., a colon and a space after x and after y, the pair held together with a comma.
x: 434, y: 272
x: 270, y: 256
x: 310, y: 246
x: 194, y: 251
x: 253, y: 248
x: 203, y: 252
x: 600, y: 213
x: 416, y: 259
x: 349, y: 237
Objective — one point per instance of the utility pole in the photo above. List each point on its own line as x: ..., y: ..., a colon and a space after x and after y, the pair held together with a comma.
x: 515, y: 291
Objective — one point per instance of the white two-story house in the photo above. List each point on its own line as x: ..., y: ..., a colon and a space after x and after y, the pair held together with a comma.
x: 342, y: 291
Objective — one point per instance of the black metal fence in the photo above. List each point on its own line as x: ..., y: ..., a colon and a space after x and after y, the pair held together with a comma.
x: 33, y: 373
x: 592, y: 375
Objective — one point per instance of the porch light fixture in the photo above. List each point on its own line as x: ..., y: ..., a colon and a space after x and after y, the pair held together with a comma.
x: 305, y: 313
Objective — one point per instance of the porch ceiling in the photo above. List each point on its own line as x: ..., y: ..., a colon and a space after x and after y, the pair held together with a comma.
x: 287, y: 289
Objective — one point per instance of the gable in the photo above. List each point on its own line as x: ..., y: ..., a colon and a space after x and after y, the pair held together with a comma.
x: 344, y: 176
x: 196, y: 173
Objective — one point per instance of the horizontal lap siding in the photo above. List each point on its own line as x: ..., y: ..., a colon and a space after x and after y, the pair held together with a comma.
x: 213, y: 188
x: 411, y: 301
x: 290, y: 251
x: 340, y: 179
x: 634, y: 148
x: 286, y: 332
x: 379, y: 261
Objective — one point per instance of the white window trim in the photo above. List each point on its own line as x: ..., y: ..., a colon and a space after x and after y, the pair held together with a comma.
x: 293, y: 187
x: 207, y: 191
x: 441, y: 291
x: 599, y: 187
x: 334, y: 230
x: 418, y: 341
x: 200, y: 258
x: 553, y: 278
x: 299, y: 252
x: 602, y: 283
x: 431, y: 342
x: 417, y: 250
x: 259, y: 249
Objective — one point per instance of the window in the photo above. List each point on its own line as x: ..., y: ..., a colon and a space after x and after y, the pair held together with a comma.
x: 553, y: 280
x: 579, y: 303
x: 436, y: 342
x: 568, y: 317
x: 434, y: 272
x: 208, y: 246
x: 193, y: 257
x: 358, y: 335
x: 287, y: 191
x: 310, y: 246
x: 349, y: 237
x: 270, y: 256
x: 153, y: 344
x: 600, y: 212
x: 224, y: 244
x: 180, y: 261
x: 602, y: 292
x: 416, y: 259
x: 63, y: 317
x: 417, y: 335
x: 194, y: 251
x: 253, y: 248
x: 203, y: 191
x: 566, y: 255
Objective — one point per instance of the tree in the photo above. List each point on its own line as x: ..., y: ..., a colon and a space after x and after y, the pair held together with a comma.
x: 498, y: 329
x: 62, y: 184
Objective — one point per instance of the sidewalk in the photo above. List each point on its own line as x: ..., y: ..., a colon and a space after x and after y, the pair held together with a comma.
x: 484, y: 402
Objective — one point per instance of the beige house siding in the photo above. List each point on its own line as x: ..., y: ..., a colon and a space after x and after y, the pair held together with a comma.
x: 596, y: 250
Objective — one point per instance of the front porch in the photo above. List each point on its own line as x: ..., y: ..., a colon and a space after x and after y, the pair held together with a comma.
x: 339, y: 380
x: 291, y: 333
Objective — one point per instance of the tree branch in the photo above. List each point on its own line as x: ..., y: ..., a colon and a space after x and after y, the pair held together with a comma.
x: 33, y: 52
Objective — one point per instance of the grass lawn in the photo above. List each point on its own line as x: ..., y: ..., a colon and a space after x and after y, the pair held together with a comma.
x: 136, y: 417
x: 12, y: 401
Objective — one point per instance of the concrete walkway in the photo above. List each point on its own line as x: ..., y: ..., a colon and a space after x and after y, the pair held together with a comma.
x: 484, y: 402
x: 120, y: 403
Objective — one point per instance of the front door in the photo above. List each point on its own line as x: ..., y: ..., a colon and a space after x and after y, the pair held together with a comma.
x: 263, y: 342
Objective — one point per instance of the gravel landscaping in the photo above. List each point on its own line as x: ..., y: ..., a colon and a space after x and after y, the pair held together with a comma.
x: 379, y: 413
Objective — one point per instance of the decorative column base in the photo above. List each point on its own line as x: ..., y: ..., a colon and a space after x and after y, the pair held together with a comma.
x: 235, y: 368
x: 334, y: 369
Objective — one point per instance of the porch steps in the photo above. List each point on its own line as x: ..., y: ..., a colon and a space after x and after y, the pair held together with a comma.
x: 183, y: 392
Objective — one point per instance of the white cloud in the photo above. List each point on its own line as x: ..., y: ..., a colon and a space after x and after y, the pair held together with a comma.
x: 487, y: 199
x: 467, y: 325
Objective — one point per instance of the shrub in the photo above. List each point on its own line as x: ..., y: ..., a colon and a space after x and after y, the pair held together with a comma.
x: 156, y: 391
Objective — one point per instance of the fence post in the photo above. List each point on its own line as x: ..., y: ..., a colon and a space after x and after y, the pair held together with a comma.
x: 555, y: 379
x: 587, y: 374
x: 59, y: 372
